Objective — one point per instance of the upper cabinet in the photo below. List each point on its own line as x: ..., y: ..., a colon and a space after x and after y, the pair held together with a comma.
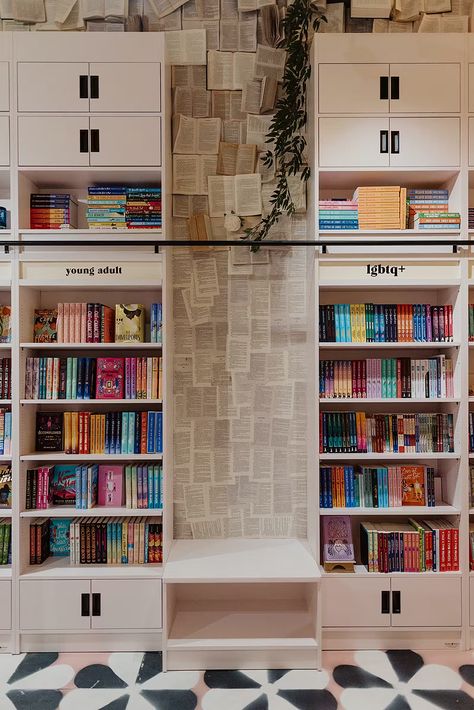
x: 70, y: 87
x: 395, y: 88
x: 4, y: 86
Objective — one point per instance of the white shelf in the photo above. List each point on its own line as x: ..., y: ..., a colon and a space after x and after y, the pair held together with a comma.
x: 361, y: 571
x: 235, y: 644
x: 388, y: 400
x: 442, y: 509
x: 98, y: 511
x: 388, y: 456
x: 92, y: 235
x: 381, y: 285
x: 61, y: 456
x: 88, y: 402
x: 5, y: 512
x: 87, y: 286
x: 5, y: 346
x: 421, y: 234
x: 92, y: 346
x: 5, y: 571
x: 59, y: 567
x: 240, y: 560
x: 371, y: 346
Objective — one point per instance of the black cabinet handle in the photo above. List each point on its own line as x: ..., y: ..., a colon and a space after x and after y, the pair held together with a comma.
x: 85, y: 605
x: 94, y: 86
x: 386, y: 602
x: 95, y: 604
x: 94, y: 140
x: 395, y: 141
x: 384, y: 141
x: 83, y: 88
x: 84, y: 140
x: 396, y: 603
x: 384, y: 87
x: 395, y: 87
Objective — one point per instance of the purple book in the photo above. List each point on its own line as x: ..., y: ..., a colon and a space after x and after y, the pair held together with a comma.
x: 337, y: 539
x: 110, y: 485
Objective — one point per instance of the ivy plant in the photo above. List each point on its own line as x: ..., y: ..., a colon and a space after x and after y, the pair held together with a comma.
x: 287, y: 127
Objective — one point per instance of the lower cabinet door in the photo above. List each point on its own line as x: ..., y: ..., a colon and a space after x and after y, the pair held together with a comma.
x: 433, y: 601
x: 471, y: 601
x: 54, y: 604
x: 125, y: 141
x: 356, y: 602
x: 5, y: 604
x: 126, y: 604
x: 4, y: 140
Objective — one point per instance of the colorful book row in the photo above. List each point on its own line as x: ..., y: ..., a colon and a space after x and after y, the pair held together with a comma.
x: 359, y: 432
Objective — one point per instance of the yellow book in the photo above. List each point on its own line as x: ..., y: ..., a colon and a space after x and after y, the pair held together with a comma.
x: 363, y: 334
x: 67, y: 433
x: 353, y: 312
x: 160, y: 378
x: 129, y: 323
x: 75, y: 432
x: 154, y: 378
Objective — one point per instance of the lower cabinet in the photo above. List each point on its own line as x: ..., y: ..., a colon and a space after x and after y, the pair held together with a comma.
x: 79, y: 605
x: 398, y: 601
x: 471, y: 601
x: 5, y: 604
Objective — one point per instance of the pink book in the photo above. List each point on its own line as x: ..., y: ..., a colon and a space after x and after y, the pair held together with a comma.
x: 83, y: 338
x: 66, y: 323
x: 110, y: 488
x: 77, y: 322
x: 109, y: 378
x: 60, y: 322
x: 72, y: 322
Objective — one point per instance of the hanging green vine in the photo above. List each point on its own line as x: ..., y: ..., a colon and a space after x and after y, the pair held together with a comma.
x: 286, y: 130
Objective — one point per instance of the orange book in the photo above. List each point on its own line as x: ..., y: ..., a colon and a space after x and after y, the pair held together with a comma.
x: 413, y: 485
x: 74, y: 432
x: 67, y: 433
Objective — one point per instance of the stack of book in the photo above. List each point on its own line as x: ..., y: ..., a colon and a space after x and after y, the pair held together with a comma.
x: 471, y: 218
x: 385, y: 378
x: 381, y: 323
x: 110, y: 433
x: 118, y: 541
x: 415, y: 546
x: 96, y: 323
x: 54, y: 211
x: 143, y: 208
x: 426, y: 201
x: 5, y: 486
x: 358, y: 432
x: 381, y: 207
x: 86, y: 485
x: 377, y: 486
x: 106, y: 205
x: 39, y: 541
x: 5, y: 433
x: 92, y: 378
x: 437, y: 220
x: 338, y: 214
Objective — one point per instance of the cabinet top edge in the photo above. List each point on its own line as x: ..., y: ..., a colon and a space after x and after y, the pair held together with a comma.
x: 388, y: 48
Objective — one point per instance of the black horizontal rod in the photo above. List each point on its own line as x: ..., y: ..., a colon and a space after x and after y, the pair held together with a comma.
x: 238, y: 243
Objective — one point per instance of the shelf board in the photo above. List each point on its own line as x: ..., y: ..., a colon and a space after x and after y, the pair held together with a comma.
x: 91, y: 346
x: 3, y: 459
x: 92, y: 235
x: 381, y: 285
x: 350, y: 178
x: 333, y: 346
x: 387, y: 456
x: 441, y: 509
x: 240, y: 644
x: 361, y: 571
x: 61, y: 456
x: 81, y: 177
x: 421, y: 234
x: 59, y: 567
x: 5, y: 571
x: 5, y: 512
x: 97, y: 511
x: 241, y: 560
x: 5, y: 346
x: 471, y: 511
x: 88, y: 402
x: 87, y: 286
x: 386, y: 400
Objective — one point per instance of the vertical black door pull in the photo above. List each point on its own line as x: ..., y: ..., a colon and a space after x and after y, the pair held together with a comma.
x: 84, y: 140
x: 385, y: 602
x: 384, y: 141
x: 384, y: 87
x: 94, y: 140
x: 94, y: 86
x: 395, y: 142
x: 396, y: 603
x: 83, y: 88
x: 394, y: 87
x: 95, y: 604
x: 85, y: 605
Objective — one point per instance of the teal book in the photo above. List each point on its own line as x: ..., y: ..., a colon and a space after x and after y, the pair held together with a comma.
x: 59, y: 537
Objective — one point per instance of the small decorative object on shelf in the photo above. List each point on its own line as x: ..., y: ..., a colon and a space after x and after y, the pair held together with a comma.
x: 338, y: 549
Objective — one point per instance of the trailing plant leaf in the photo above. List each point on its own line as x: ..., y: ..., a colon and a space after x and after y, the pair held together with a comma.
x: 302, y: 20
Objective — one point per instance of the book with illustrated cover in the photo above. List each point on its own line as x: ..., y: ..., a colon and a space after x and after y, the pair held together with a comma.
x: 337, y: 539
x: 413, y: 485
x: 109, y: 378
x: 5, y: 324
x: 49, y: 431
x: 5, y: 486
x: 59, y: 537
x: 111, y: 485
x: 45, y: 325
x: 129, y: 323
x: 62, y: 485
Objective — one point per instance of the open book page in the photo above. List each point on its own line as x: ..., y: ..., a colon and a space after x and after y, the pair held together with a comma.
x: 29, y: 10
x: 220, y: 70
x: 400, y: 27
x: 191, y: 76
x: 270, y: 62
x: 249, y: 5
x: 244, y: 68
x: 251, y: 96
x: 235, y: 159
x: 62, y: 9
x: 257, y: 129
x: 188, y: 205
x: 266, y: 172
x: 451, y: 23
x: 270, y: 25
x: 185, y: 47
x: 162, y: 8
x: 380, y: 26
x: 248, y: 200
x: 234, y: 131
x: 116, y: 9
x: 461, y: 7
x: 297, y: 190
x: 74, y: 20
x: 407, y: 10
x: 434, y: 6
x: 211, y: 28
x: 229, y: 9
x: 240, y: 35
x: 227, y: 105
x: 335, y: 18
x: 190, y: 173
x: 221, y: 190
x: 208, y: 9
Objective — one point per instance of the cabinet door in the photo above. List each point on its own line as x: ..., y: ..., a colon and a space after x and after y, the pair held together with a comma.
x: 365, y: 596
x: 471, y: 601
x: 54, y: 604
x: 432, y: 601
x: 471, y: 141
x: 431, y: 88
x: 125, y: 141
x: 353, y: 142
x: 127, y: 86
x: 426, y: 142
x: 126, y: 604
x: 4, y: 86
x: 52, y: 140
x: 353, y: 88
x: 4, y: 140
x: 53, y: 86
x: 471, y: 88
x: 5, y: 604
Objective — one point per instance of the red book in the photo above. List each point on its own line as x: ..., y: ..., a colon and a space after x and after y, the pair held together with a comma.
x: 90, y: 323
x: 144, y: 433
x: 107, y: 325
x: 96, y: 323
x: 109, y: 378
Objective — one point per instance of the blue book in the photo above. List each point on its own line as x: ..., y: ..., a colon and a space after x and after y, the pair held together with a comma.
x: 346, y: 487
x: 59, y: 544
x: 131, y: 433
x: 78, y: 487
x: 159, y: 432
x: 150, y: 433
x: 83, y: 486
x: 347, y: 323
x: 150, y: 503
x: 337, y: 322
x: 137, y: 445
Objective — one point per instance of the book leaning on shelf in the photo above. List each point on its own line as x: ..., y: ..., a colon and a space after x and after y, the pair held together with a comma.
x: 360, y: 432
x: 108, y: 433
x: 93, y: 378
x: 385, y: 378
x: 85, y: 485
x: 378, y: 486
x: 385, y: 323
x: 415, y: 546
x: 5, y: 541
x: 118, y: 541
